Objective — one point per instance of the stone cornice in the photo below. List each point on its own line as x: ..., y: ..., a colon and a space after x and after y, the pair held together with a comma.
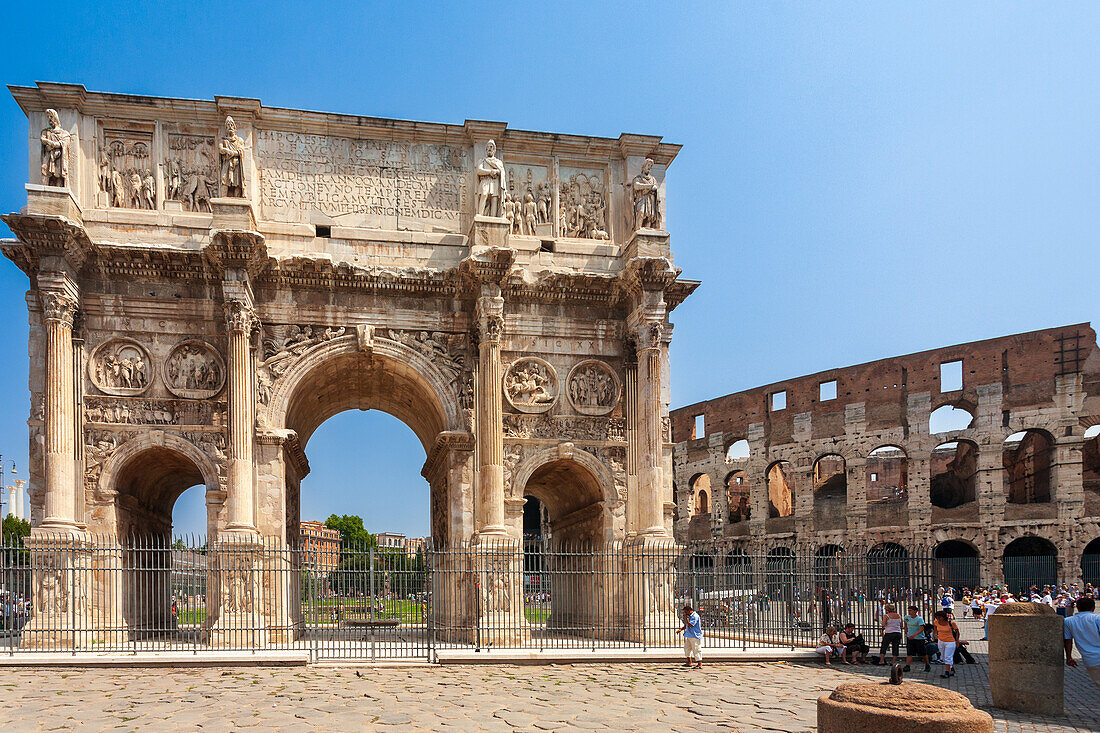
x: 445, y: 442
x: 43, y: 235
x: 211, y: 113
x: 292, y: 448
x: 237, y: 249
x: 489, y: 266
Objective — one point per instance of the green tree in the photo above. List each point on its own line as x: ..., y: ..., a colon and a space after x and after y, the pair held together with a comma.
x: 14, y: 530
x: 353, y: 536
x: 11, y: 538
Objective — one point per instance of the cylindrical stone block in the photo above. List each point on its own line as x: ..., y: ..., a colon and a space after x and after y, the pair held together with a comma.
x: 1026, y: 659
x: 876, y: 707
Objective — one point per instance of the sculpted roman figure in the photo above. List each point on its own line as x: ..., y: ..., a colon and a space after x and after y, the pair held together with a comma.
x: 491, y: 182
x: 232, y: 159
x: 55, y: 151
x: 647, y: 215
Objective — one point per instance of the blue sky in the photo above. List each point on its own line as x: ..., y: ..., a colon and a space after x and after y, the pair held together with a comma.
x: 858, y: 180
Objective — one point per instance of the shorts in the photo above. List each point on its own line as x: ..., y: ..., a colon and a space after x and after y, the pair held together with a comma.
x: 1094, y: 674
x: 915, y: 647
x: 693, y: 648
x: 891, y: 641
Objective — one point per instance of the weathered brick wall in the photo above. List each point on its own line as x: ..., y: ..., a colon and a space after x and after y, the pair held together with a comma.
x: 1047, y: 381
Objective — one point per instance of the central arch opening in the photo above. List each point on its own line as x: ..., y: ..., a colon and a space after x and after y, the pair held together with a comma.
x: 367, y: 421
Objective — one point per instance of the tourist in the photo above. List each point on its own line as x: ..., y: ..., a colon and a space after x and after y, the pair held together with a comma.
x: 693, y: 637
x: 947, y: 636
x: 1084, y: 628
x: 854, y: 645
x: 976, y: 606
x: 829, y: 644
x: 891, y: 632
x: 914, y: 639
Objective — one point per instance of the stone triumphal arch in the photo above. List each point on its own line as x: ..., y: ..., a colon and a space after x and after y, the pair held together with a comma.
x: 211, y: 280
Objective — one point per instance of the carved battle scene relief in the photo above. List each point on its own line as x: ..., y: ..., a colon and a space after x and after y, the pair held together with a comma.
x: 579, y: 429
x: 529, y: 200
x: 361, y: 182
x: 191, y: 171
x: 582, y: 204
x: 121, y: 367
x: 593, y: 388
x: 126, y: 178
x: 531, y: 385
x: 194, y: 369
x: 144, y: 411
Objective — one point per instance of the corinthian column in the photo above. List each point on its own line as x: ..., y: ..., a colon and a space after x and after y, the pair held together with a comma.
x: 58, y: 310
x: 240, y: 319
x: 650, y: 436
x: 490, y: 417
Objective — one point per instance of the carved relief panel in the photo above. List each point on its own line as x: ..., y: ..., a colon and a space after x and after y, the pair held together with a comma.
x: 582, y: 204
x: 529, y: 205
x: 194, y: 369
x: 531, y: 385
x: 191, y: 171
x: 126, y: 178
x: 593, y: 388
x: 121, y: 367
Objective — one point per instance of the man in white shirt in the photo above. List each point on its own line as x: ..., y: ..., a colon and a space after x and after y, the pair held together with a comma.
x: 1083, y: 627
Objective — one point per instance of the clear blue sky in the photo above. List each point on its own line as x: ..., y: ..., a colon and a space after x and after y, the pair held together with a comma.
x: 858, y: 180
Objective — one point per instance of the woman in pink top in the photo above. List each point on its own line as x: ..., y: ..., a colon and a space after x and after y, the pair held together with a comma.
x: 891, y: 632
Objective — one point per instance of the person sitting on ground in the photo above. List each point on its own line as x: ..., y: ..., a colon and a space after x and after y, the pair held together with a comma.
x: 931, y: 648
x: 1084, y: 628
x: 947, y: 637
x: 829, y: 644
x: 891, y: 632
x: 855, y: 648
x: 914, y: 639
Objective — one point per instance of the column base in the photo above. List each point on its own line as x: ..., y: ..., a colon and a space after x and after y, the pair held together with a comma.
x: 496, y: 567
x: 61, y: 579
x: 652, y: 617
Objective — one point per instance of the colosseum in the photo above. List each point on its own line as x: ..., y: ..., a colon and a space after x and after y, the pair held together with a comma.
x: 985, y: 452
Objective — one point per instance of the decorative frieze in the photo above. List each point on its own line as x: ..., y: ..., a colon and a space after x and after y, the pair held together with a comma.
x: 191, y: 171
x: 578, y: 429
x: 583, y: 204
x: 144, y: 411
x: 121, y: 367
x: 593, y: 388
x: 194, y: 369
x: 531, y: 385
x: 126, y: 170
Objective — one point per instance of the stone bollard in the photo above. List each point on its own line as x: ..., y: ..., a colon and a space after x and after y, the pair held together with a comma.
x: 876, y: 707
x: 1026, y: 659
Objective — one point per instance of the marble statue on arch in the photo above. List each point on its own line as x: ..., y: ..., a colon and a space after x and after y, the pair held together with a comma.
x: 55, y: 151
x: 491, y: 182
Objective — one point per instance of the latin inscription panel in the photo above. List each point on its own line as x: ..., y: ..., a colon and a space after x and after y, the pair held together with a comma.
x: 378, y: 183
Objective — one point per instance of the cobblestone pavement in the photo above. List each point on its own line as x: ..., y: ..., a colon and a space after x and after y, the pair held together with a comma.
x: 626, y: 697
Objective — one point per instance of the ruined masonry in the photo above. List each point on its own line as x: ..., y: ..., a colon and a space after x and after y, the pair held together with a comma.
x: 986, y: 453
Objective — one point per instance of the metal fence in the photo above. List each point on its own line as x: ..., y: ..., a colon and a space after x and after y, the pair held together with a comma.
x: 152, y: 594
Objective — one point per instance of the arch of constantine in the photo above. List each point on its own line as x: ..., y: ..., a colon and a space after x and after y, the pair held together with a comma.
x: 212, y: 280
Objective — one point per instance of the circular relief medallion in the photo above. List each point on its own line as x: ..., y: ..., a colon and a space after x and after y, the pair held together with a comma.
x: 121, y: 367
x: 194, y: 369
x: 593, y: 388
x: 531, y: 385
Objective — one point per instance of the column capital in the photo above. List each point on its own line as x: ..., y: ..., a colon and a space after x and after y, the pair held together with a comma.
x: 236, y: 249
x: 58, y: 306
x: 240, y: 316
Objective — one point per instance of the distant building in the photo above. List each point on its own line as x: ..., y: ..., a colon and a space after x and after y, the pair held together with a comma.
x: 396, y: 541
x: 320, y: 546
